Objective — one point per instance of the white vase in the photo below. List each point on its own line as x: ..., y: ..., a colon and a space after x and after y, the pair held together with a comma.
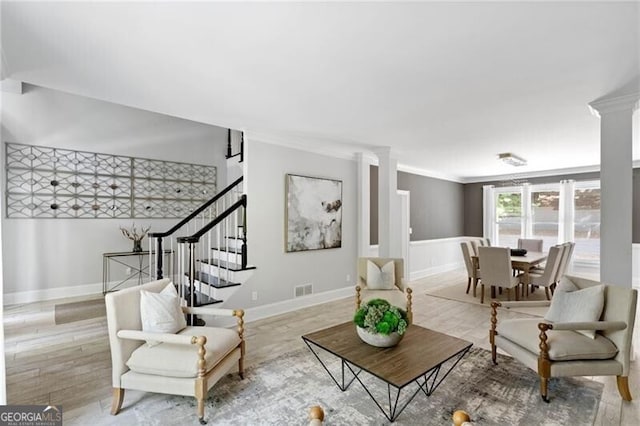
x: 377, y: 339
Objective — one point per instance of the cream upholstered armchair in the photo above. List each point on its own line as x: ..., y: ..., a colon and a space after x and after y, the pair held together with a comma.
x: 586, y: 332
x: 188, y: 362
x: 382, y: 278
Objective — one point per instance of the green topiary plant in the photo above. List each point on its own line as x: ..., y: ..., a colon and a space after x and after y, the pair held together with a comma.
x: 379, y: 316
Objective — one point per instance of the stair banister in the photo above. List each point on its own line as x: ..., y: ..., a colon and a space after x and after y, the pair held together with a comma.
x: 186, y: 221
x: 242, y: 202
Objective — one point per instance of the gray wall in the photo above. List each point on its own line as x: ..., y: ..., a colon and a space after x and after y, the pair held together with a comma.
x: 44, y: 255
x: 437, y: 206
x: 279, y: 272
x: 473, y: 199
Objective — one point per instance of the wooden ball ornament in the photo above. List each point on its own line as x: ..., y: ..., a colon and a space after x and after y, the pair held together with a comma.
x: 316, y: 413
x: 460, y: 416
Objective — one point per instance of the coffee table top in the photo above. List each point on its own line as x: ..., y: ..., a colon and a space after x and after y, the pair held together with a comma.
x: 418, y: 352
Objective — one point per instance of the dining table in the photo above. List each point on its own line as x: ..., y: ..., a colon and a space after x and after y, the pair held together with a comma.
x: 523, y: 263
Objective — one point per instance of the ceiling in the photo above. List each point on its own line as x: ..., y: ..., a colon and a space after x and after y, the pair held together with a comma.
x: 447, y: 85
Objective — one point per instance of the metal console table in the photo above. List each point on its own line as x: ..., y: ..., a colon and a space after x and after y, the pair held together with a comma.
x: 139, y: 268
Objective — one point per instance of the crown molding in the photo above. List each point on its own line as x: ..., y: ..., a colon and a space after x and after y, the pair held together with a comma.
x: 614, y: 104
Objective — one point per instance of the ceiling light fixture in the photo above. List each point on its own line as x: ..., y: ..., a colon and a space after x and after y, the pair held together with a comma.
x: 512, y: 159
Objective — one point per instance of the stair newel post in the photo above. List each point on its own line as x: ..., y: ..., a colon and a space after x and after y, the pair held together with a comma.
x: 229, y: 153
x: 159, y: 258
x: 242, y: 148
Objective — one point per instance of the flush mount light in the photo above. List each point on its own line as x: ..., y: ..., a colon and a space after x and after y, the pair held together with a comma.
x: 512, y: 159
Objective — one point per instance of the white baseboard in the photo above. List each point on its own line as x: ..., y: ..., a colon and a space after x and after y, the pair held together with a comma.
x: 31, y: 296
x: 265, y: 311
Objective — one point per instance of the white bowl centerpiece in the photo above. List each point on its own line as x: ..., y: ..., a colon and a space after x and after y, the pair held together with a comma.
x: 380, y: 324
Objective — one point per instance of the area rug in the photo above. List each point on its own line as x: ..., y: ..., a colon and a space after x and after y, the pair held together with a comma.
x: 78, y: 311
x: 458, y: 292
x: 281, y: 391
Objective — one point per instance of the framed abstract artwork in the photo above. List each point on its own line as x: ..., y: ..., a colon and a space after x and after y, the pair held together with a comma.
x: 313, y: 213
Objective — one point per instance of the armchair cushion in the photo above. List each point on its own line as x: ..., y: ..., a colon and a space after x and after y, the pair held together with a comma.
x: 381, y: 278
x: 563, y: 345
x: 577, y: 306
x: 175, y: 360
x: 161, y: 312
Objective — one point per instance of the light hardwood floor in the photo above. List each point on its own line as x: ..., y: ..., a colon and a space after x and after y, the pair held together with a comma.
x: 70, y: 364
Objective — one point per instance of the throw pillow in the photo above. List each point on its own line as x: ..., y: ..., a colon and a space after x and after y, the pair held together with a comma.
x: 161, y: 312
x: 381, y: 278
x: 577, y: 306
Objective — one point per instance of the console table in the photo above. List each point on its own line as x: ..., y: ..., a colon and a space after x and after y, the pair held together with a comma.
x: 135, y: 260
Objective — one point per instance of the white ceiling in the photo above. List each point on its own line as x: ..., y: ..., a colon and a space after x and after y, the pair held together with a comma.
x: 447, y: 85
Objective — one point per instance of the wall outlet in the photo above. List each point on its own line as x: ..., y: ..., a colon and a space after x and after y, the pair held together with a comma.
x: 254, y: 295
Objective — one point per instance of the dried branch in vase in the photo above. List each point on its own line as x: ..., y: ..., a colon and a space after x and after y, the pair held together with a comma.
x: 133, y: 234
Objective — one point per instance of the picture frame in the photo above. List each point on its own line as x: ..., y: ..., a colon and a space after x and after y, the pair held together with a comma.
x: 313, y: 213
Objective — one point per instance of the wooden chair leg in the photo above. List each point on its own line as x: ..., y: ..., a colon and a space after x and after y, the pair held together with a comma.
x: 546, y: 293
x: 482, y: 293
x: 623, y: 387
x: 475, y: 286
x: 201, y: 411
x: 116, y: 403
x: 508, y: 293
x: 517, y: 291
x: 544, y: 388
x: 468, y: 284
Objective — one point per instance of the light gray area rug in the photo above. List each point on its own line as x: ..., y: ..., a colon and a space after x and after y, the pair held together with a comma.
x: 280, y: 392
x: 457, y: 292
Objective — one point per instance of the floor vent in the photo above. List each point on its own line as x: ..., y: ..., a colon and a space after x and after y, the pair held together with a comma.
x: 303, y: 290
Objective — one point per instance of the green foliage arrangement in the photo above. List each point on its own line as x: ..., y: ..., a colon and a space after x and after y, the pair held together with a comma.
x: 379, y: 316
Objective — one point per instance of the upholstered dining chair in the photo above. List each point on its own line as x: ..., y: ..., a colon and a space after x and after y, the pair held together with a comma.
x: 495, y: 264
x: 188, y: 362
x: 586, y: 332
x: 473, y: 273
x: 530, y: 244
x: 547, y: 277
x: 382, y: 278
x: 480, y: 242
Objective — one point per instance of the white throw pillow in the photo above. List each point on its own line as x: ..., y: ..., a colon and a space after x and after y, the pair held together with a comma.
x: 161, y: 312
x: 383, y: 278
x: 577, y: 306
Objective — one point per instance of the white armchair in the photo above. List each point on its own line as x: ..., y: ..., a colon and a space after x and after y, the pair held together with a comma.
x: 398, y: 293
x: 564, y: 348
x: 187, y: 363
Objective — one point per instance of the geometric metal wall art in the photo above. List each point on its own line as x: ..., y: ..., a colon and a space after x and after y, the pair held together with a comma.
x: 45, y: 182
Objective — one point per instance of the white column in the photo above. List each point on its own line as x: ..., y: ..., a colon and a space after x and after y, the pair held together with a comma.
x: 389, y: 238
x: 616, y: 192
x: 526, y: 230
x: 364, y: 206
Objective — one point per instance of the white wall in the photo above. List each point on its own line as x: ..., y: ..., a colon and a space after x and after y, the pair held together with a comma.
x: 279, y: 272
x: 49, y: 258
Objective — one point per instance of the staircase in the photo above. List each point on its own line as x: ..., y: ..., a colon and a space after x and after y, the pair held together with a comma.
x: 209, y: 247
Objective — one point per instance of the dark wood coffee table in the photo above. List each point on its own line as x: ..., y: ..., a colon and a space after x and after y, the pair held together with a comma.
x: 418, y: 359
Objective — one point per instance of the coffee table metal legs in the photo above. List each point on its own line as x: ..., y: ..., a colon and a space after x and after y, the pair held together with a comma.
x: 427, y: 383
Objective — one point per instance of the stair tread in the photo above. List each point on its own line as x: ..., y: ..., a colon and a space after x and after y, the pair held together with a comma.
x: 231, y: 266
x: 201, y: 299
x: 216, y: 282
x: 228, y: 249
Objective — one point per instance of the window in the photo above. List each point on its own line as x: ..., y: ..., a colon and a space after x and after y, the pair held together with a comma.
x: 555, y: 213
x: 586, y: 226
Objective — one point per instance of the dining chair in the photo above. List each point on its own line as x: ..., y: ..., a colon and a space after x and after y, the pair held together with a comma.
x: 495, y: 264
x: 548, y: 276
x: 530, y: 244
x: 473, y: 273
x: 481, y: 242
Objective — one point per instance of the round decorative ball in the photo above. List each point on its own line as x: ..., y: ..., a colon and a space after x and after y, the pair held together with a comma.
x: 460, y: 417
x: 316, y: 413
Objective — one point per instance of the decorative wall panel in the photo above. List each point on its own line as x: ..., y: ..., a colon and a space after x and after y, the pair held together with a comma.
x: 47, y: 182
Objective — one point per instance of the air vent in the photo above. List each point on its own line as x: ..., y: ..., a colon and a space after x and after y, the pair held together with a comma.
x: 303, y: 290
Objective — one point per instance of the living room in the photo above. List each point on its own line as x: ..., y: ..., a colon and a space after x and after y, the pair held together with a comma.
x: 83, y: 88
